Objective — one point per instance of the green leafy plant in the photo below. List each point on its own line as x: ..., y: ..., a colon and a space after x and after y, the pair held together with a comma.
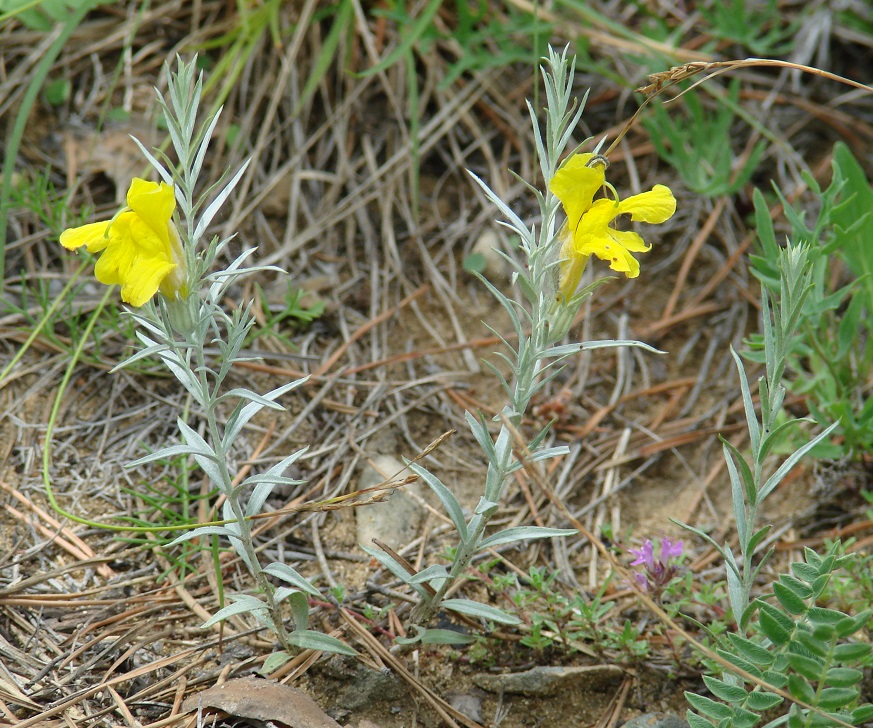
x: 165, y: 274
x: 785, y: 645
x: 831, y: 353
x: 794, y: 646
x: 541, y: 314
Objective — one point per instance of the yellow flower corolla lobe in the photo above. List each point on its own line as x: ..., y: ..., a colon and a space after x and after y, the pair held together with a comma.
x: 140, y: 247
x: 587, y: 231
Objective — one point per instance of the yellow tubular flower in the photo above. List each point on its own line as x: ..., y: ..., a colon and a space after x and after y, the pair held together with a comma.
x: 587, y: 230
x: 142, y: 251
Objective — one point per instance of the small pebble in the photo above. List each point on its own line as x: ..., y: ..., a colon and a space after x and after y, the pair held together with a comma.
x: 656, y: 720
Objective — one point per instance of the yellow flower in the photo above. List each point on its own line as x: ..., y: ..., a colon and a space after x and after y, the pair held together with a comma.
x: 141, y: 248
x: 587, y: 230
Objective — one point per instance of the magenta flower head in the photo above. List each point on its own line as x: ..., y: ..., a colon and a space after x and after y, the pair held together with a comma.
x: 656, y: 573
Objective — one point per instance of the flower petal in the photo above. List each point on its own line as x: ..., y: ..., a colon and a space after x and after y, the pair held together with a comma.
x: 137, y: 260
x: 93, y: 236
x: 655, y: 206
x: 575, y: 185
x: 153, y: 203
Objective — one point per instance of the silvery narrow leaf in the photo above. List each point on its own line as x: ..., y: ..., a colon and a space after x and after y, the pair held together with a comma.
x: 486, y: 507
x: 149, y: 325
x: 204, y: 454
x: 289, y: 575
x: 514, y: 221
x: 311, y: 640
x: 562, y: 351
x: 480, y: 432
x: 273, y: 480
x: 437, y: 637
x: 792, y: 460
x: 201, y: 531
x: 193, y: 438
x: 265, y: 482
x: 475, y: 609
x: 274, y: 662
x: 524, y: 533
x: 242, y: 604
x: 186, y: 379
x: 607, y: 343
x: 165, y: 453
x: 242, y: 415
x: 259, y: 495
x: 209, y: 466
x: 299, y: 605
x: 204, y: 143
x: 549, y: 452
x: 737, y: 491
x: 251, y: 396
x: 216, y: 204
x: 437, y: 571
x: 748, y: 403
x: 283, y: 592
x: 447, y: 498
x: 137, y: 356
x: 736, y: 594
x: 165, y: 175
x: 705, y: 536
x: 395, y: 568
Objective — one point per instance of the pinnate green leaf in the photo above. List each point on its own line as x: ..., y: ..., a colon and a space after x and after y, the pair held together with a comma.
x: 843, y: 677
x: 790, y: 600
x: 836, y: 698
x: 806, y: 666
x: 761, y: 700
x: 709, y: 707
x: 800, y: 688
x: 750, y: 650
x: 725, y: 691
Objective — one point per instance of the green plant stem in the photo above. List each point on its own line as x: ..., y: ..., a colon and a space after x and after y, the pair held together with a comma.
x: 216, y: 437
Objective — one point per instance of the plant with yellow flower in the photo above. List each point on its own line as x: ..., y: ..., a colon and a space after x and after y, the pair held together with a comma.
x: 553, y: 256
x: 153, y: 250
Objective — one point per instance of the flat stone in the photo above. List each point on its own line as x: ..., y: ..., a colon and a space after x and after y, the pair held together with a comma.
x: 656, y: 720
x: 396, y: 520
x: 469, y: 704
x: 544, y: 681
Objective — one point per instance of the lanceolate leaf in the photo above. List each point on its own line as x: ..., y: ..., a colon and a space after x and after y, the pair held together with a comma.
x: 310, y: 640
x: 242, y: 604
x: 524, y: 533
x: 475, y: 609
x: 447, y: 498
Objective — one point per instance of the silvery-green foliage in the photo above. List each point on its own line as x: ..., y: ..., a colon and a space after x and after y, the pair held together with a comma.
x: 540, y: 320
x: 180, y: 334
x: 794, y: 646
x: 750, y: 484
x: 784, y: 640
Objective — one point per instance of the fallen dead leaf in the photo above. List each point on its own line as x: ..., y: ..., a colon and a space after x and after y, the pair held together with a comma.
x: 263, y: 700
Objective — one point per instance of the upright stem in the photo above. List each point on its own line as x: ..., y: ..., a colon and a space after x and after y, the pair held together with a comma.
x: 216, y: 437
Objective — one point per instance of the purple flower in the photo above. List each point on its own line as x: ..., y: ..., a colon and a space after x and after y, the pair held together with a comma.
x: 645, y: 555
x: 670, y: 550
x: 656, y: 574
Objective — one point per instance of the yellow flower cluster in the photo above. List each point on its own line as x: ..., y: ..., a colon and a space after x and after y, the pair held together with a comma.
x: 140, y: 247
x: 588, y: 228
